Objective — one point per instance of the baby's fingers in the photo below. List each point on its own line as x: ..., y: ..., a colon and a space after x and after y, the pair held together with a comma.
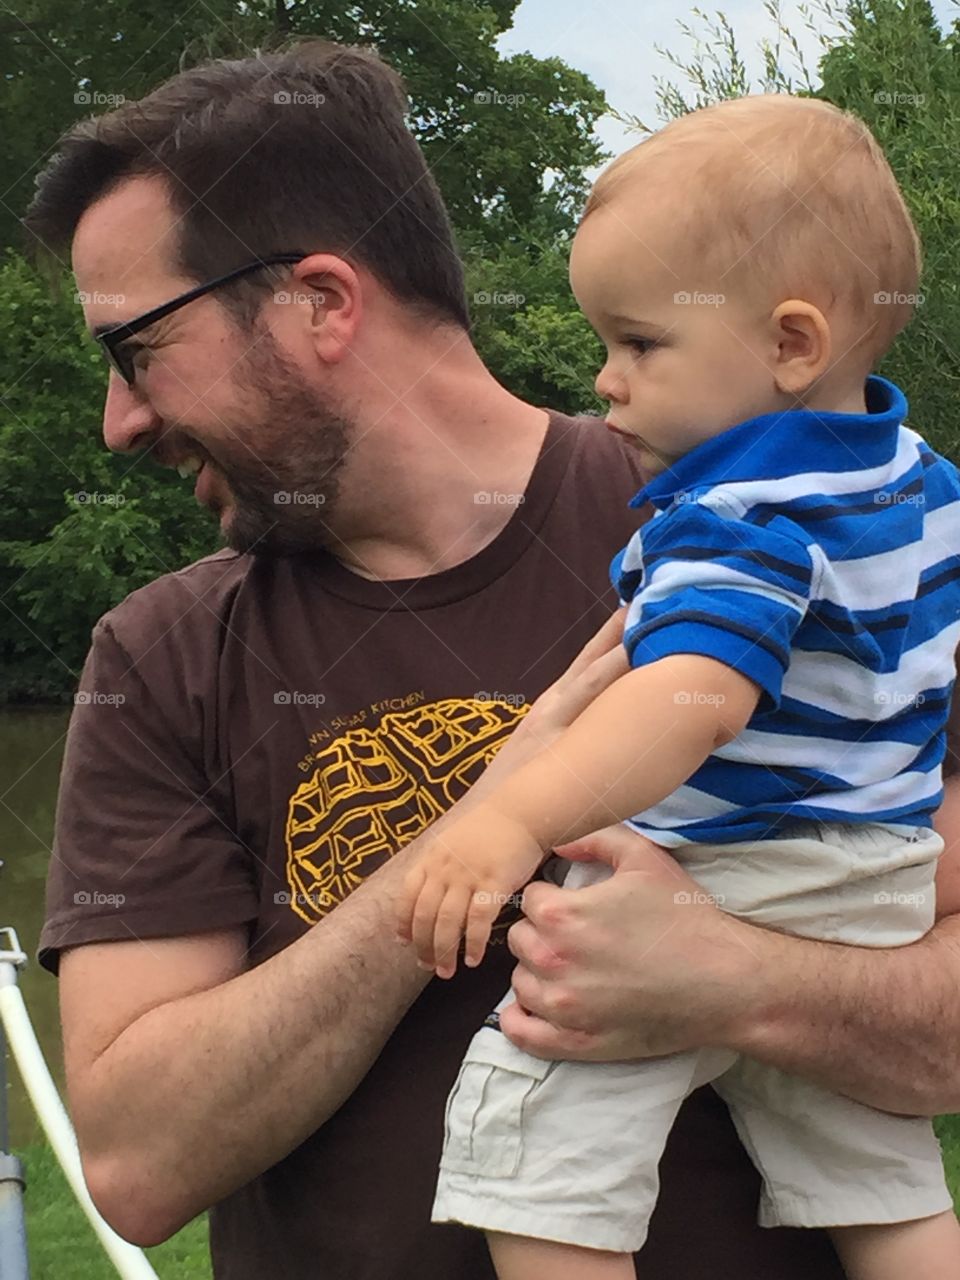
x: 449, y: 929
x: 484, y: 909
x: 424, y: 920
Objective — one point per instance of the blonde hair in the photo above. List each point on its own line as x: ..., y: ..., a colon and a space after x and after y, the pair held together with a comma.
x: 790, y: 195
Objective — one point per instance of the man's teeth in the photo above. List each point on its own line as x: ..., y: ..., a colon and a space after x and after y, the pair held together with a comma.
x: 189, y: 468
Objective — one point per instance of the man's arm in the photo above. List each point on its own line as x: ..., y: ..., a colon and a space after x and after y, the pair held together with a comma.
x: 185, y: 1073
x: 185, y: 1070
x: 621, y: 970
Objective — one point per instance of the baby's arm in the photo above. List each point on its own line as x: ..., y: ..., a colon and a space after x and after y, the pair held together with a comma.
x: 629, y: 749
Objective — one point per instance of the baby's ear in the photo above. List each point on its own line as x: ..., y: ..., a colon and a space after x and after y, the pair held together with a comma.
x: 802, y: 336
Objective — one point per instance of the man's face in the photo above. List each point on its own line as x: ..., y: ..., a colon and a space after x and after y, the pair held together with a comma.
x: 266, y: 446
x: 684, y: 361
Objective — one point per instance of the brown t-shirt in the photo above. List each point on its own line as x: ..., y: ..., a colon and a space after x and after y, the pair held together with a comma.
x: 253, y: 737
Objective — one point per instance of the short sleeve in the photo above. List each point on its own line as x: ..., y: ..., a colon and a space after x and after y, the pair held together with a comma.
x: 724, y: 587
x: 143, y: 845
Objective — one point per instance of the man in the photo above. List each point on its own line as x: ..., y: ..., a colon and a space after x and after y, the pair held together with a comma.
x: 415, y: 555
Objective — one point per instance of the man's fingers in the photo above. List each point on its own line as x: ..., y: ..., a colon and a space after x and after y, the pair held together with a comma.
x: 526, y: 943
x: 610, y: 636
x: 543, y: 1040
x: 448, y: 930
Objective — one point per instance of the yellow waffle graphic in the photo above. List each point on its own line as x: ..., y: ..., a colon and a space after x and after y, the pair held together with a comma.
x: 374, y: 790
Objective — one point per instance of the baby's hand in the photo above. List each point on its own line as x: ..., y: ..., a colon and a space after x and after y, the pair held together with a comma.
x: 460, y: 883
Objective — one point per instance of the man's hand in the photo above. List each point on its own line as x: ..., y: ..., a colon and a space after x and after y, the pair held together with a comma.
x: 459, y: 884
x: 635, y: 967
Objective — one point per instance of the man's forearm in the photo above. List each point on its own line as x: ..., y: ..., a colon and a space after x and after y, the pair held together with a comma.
x: 204, y: 1093
x: 879, y: 1025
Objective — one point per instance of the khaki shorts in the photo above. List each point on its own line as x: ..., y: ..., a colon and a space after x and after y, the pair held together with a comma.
x: 568, y: 1151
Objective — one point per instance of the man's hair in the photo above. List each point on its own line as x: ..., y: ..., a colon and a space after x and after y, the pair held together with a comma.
x: 790, y: 195
x: 305, y: 149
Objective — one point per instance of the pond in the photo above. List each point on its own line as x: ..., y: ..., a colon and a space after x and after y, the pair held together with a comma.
x: 31, y: 749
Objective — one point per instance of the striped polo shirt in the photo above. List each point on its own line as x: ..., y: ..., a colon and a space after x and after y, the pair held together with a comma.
x: 818, y: 554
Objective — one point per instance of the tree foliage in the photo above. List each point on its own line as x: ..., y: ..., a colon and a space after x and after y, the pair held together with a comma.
x: 509, y: 139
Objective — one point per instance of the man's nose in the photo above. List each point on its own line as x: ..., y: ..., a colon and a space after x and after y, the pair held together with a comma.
x: 130, y: 422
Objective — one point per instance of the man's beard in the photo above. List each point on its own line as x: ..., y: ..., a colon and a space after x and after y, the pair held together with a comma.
x: 284, y: 466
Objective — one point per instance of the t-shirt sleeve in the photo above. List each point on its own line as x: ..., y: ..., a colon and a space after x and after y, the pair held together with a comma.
x: 143, y: 845
x: 723, y: 587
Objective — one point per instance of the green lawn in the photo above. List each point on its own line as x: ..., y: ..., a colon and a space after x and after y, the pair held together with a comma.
x: 61, y: 1241
x: 63, y: 1246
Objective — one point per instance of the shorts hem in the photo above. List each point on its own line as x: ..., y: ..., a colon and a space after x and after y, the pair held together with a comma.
x: 801, y: 1211
x: 487, y: 1213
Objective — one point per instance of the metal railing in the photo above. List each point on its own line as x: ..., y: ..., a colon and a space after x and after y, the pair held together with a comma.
x: 16, y: 1030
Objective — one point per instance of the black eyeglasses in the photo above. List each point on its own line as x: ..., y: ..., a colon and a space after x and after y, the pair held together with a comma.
x: 111, y: 339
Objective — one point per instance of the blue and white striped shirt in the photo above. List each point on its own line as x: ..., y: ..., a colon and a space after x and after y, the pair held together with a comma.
x: 819, y: 555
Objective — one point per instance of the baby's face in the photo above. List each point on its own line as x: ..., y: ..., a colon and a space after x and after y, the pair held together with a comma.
x: 684, y: 360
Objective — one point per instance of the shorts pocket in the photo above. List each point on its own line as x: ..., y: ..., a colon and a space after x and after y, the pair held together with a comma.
x: 483, y: 1122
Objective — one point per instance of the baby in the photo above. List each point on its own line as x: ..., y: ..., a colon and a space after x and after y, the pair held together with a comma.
x: 794, y: 610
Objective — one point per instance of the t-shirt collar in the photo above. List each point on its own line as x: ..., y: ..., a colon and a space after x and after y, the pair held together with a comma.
x: 775, y: 445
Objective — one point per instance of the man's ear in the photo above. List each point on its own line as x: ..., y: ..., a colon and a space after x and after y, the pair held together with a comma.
x: 329, y: 288
x: 803, y: 346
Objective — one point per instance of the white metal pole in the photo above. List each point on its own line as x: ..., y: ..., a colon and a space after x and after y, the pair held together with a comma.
x: 130, y: 1262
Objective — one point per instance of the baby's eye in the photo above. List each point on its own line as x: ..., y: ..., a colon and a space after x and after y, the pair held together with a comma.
x: 641, y: 345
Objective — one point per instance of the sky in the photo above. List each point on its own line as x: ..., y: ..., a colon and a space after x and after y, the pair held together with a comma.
x: 613, y: 42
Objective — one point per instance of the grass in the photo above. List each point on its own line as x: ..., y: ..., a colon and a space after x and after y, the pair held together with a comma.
x: 63, y: 1246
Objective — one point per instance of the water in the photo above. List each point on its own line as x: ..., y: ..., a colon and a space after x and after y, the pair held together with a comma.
x: 31, y: 748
